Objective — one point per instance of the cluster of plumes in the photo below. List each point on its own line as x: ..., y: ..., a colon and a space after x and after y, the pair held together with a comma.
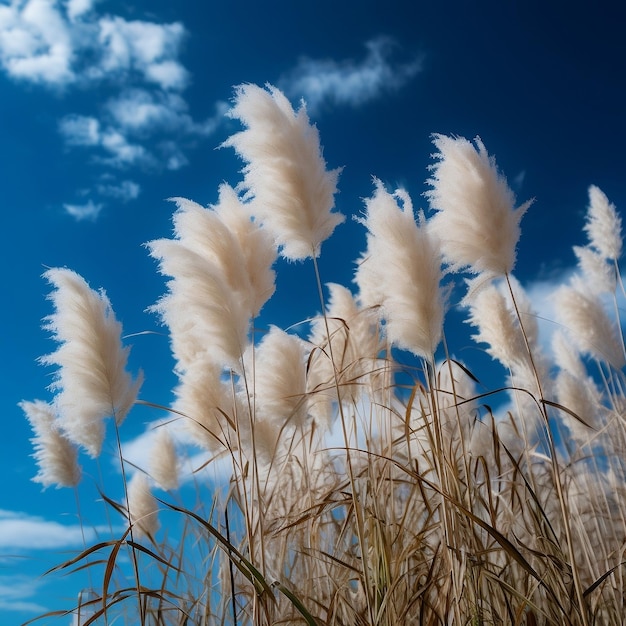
x: 476, y: 218
x: 285, y: 176
x: 364, y: 518
x: 91, y: 380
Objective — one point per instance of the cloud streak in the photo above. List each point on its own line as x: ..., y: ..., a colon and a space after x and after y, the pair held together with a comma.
x: 19, y: 593
x: 349, y: 82
x: 59, y: 44
x: 145, y: 122
x: 20, y: 531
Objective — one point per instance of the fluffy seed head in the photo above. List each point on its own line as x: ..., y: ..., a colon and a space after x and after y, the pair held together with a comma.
x: 54, y: 453
x: 285, y: 173
x: 401, y: 272
x: 280, y: 379
x: 206, y: 318
x: 604, y: 225
x: 91, y: 378
x: 164, y: 460
x: 476, y: 219
x: 588, y: 325
x: 497, y: 325
x: 142, y: 507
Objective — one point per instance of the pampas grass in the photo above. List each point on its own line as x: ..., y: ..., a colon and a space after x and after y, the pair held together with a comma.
x: 367, y: 475
x: 55, y: 455
x: 285, y: 173
x: 401, y: 273
x: 91, y: 377
x: 476, y: 219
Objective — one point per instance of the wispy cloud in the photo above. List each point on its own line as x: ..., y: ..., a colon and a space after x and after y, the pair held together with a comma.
x: 19, y: 594
x: 59, y: 44
x: 88, y: 211
x: 145, y: 123
x: 349, y: 82
x: 125, y: 190
x: 22, y: 531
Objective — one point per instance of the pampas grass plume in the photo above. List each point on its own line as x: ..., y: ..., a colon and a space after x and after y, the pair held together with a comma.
x: 587, y: 324
x: 142, y: 507
x: 164, y: 460
x: 401, y: 272
x: 202, y: 399
x: 497, y: 326
x: 476, y: 219
x: 285, y: 173
x: 91, y: 378
x: 206, y: 318
x: 54, y: 453
x: 604, y: 225
x: 280, y: 379
x: 226, y: 235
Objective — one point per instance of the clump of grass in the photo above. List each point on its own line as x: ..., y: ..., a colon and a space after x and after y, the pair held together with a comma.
x: 362, y: 487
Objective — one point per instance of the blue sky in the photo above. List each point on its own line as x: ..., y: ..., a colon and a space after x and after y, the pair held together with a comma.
x: 109, y: 108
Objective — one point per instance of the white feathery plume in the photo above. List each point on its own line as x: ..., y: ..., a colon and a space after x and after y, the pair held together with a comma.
x: 588, y: 325
x: 498, y: 326
x: 226, y: 235
x: 55, y: 454
x: 598, y: 275
x: 476, y: 219
x: 205, y: 316
x: 164, y: 460
x: 142, y: 507
x: 280, y: 379
x: 285, y: 172
x: 355, y: 341
x: 92, y: 380
x: 401, y: 272
x: 203, y: 399
x: 203, y: 232
x: 455, y: 404
x: 256, y: 244
x: 584, y: 400
x: 567, y: 357
x: 604, y: 225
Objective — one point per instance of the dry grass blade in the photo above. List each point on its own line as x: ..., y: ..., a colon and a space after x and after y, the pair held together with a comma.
x: 240, y: 562
x: 310, y: 620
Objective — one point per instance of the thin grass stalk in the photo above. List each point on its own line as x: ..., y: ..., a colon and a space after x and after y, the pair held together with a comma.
x: 241, y: 484
x: 554, y: 464
x: 351, y: 476
x: 441, y: 467
x: 82, y: 533
x: 230, y: 569
x: 134, y: 559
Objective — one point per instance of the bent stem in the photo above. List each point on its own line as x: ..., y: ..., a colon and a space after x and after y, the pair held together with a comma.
x: 554, y: 463
x: 133, y: 552
x: 358, y: 513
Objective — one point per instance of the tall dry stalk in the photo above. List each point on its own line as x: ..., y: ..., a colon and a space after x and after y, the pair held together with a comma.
x: 368, y: 481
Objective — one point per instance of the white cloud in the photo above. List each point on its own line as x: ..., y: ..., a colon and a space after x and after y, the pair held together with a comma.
x: 19, y: 593
x: 518, y: 181
x: 62, y: 43
x: 77, y: 8
x: 36, y: 43
x: 121, y: 151
x: 140, y: 110
x: 22, y: 531
x: 349, y: 82
x: 149, y: 48
x: 55, y: 44
x: 125, y: 190
x: 88, y: 211
x: 80, y: 130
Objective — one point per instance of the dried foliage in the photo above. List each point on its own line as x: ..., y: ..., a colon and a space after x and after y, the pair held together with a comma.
x: 351, y: 497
